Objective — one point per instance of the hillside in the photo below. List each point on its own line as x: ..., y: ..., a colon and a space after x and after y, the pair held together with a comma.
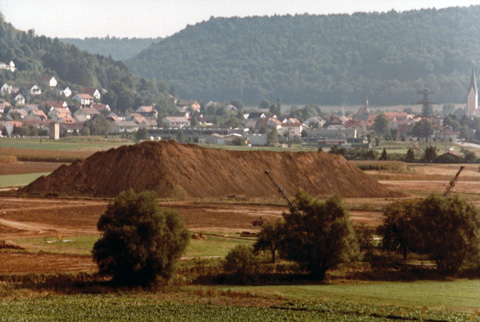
x: 36, y: 56
x: 175, y: 170
x: 333, y: 59
x: 117, y: 48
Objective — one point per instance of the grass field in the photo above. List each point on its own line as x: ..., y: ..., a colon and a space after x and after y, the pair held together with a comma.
x: 65, y: 144
x: 454, y: 295
x: 212, y: 246
x: 15, y: 180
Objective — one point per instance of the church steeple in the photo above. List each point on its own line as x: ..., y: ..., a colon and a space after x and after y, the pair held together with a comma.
x: 472, y: 105
x: 473, y: 81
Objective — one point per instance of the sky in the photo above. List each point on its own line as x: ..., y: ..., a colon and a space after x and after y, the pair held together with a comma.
x: 163, y: 18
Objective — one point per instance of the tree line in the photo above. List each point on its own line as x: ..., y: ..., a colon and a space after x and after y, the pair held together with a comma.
x: 329, y: 60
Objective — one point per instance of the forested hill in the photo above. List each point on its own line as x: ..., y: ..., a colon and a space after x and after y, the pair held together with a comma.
x: 117, y: 48
x: 334, y: 59
x: 35, y: 56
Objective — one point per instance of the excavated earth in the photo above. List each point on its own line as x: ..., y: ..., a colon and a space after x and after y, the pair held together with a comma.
x: 189, y: 171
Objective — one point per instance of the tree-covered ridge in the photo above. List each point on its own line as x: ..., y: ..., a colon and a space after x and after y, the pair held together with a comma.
x: 334, y: 59
x: 117, y: 48
x: 35, y: 56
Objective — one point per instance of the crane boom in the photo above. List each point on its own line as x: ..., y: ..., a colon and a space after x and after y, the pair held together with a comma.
x: 452, y: 182
x: 280, y: 189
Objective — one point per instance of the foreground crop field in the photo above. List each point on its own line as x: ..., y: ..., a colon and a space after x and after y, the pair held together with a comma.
x: 220, y: 308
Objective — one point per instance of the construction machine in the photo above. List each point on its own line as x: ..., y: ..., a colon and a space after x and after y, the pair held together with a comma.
x: 452, y: 182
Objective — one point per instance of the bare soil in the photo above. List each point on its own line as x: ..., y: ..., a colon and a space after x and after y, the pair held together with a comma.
x: 189, y: 171
x: 28, y: 167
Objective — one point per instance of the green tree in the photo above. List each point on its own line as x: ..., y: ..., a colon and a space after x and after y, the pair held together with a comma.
x: 140, y: 242
x: 399, y: 230
x: 469, y: 156
x: 410, y: 157
x: 270, y: 237
x: 381, y: 124
x: 450, y: 230
x: 430, y: 154
x: 423, y: 129
x: 318, y: 235
x: 384, y: 155
x: 272, y: 137
x: 239, y: 259
x: 141, y: 134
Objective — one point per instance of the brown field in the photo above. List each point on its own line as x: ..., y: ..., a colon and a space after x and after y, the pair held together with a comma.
x: 42, y: 218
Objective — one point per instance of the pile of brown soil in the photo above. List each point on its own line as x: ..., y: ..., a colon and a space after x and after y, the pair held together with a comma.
x: 176, y: 170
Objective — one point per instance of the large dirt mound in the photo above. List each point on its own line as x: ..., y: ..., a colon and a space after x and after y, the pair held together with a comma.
x: 176, y: 170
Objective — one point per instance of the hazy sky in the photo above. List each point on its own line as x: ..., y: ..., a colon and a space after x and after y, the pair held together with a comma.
x: 152, y: 18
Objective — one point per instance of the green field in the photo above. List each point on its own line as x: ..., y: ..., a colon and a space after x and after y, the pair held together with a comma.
x: 149, y: 308
x: 211, y: 247
x: 15, y: 180
x: 65, y: 144
x: 455, y: 295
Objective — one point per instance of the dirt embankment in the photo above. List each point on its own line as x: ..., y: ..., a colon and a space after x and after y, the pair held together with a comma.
x: 176, y: 170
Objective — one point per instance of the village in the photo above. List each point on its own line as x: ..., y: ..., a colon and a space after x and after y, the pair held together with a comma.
x: 46, y: 109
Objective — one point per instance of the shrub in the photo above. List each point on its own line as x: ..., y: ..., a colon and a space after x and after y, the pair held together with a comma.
x: 140, y: 242
x: 239, y: 259
x: 318, y: 235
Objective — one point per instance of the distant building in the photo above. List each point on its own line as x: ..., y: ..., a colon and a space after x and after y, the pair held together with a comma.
x: 54, y: 131
x: 472, y: 105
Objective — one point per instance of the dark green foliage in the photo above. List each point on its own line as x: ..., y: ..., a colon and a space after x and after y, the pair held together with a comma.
x: 272, y: 137
x: 140, y: 242
x: 423, y: 129
x: 410, y: 157
x: 399, y: 229
x: 318, y: 235
x: 447, y: 229
x: 141, y: 134
x: 469, y: 156
x: 381, y: 124
x: 384, y: 155
x: 331, y: 60
x: 450, y: 229
x: 430, y: 154
x: 117, y: 48
x: 270, y: 237
x: 239, y: 259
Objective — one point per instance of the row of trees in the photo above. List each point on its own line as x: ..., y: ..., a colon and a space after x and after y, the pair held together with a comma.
x: 141, y: 244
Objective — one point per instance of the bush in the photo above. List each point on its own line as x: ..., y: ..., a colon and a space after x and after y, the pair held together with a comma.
x: 319, y: 236
x: 140, y: 242
x: 238, y: 259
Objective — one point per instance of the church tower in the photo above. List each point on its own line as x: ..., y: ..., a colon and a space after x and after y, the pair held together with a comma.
x: 472, y: 106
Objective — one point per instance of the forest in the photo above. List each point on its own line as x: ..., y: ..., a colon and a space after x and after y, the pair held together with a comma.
x: 323, y: 59
x: 117, y: 48
x: 35, y: 56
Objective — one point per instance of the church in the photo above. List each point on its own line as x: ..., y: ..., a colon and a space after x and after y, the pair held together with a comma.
x: 472, y: 105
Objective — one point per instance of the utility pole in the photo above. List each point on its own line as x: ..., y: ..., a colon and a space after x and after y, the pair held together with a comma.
x: 426, y: 106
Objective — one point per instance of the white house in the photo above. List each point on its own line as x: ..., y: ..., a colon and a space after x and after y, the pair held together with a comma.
x: 34, y: 89
x: 50, y: 81
x: 67, y: 92
x: 10, y: 66
x: 95, y: 93
x: 85, y: 100
x: 20, y: 99
x: 176, y: 121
